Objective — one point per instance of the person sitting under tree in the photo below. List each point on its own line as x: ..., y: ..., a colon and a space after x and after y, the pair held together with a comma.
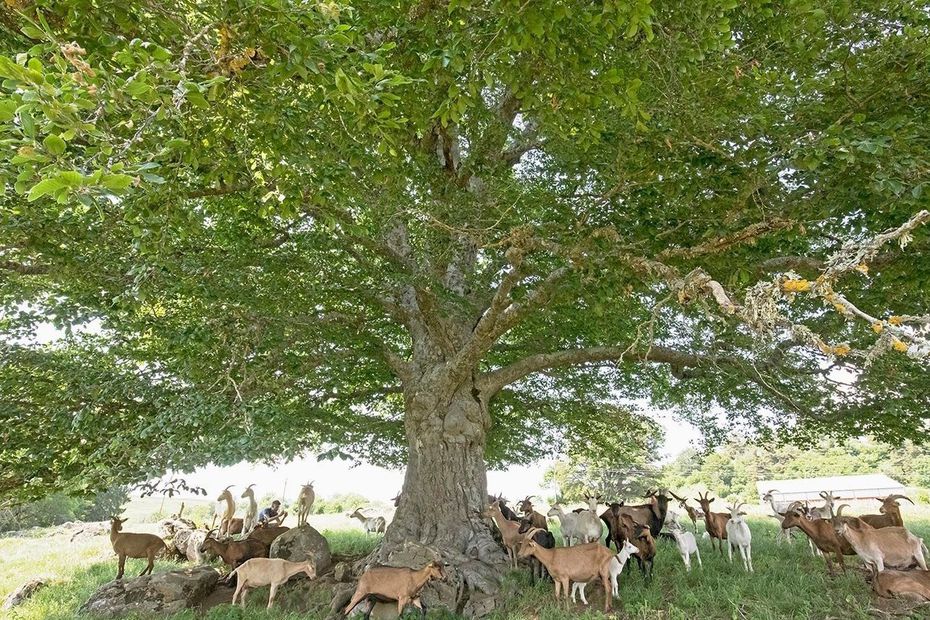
x: 271, y: 515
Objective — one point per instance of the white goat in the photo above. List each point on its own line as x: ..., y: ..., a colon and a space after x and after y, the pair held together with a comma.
x: 590, y: 525
x: 615, y: 568
x: 251, y: 512
x: 568, y: 522
x: 687, y: 544
x: 739, y: 535
x: 267, y: 571
x: 374, y: 525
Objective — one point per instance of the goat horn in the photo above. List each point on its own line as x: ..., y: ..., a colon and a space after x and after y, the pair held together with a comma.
x: 894, y: 497
x: 229, y: 487
x: 839, y: 509
x: 250, y: 486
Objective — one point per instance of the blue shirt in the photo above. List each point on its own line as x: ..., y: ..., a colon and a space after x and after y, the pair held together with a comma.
x: 267, y: 513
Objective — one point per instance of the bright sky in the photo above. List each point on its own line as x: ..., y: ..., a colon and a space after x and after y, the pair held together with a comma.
x: 376, y: 483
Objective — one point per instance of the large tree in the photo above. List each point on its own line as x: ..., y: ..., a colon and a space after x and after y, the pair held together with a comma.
x: 444, y: 233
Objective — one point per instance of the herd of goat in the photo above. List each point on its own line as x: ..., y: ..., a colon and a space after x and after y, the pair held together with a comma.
x: 886, y: 548
x: 894, y: 557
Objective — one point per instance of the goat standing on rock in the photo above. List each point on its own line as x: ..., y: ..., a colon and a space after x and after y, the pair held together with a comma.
x: 251, y: 513
x: 305, y: 503
x: 228, y: 524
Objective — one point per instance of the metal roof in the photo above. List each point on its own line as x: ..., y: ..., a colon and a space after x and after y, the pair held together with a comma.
x: 861, y: 486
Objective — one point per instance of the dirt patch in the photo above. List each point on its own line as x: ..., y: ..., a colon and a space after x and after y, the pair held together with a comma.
x: 898, y: 608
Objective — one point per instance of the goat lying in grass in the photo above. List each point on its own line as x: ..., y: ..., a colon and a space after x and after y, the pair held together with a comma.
x: 912, y: 584
x: 272, y: 572
x: 892, y: 547
x: 131, y: 545
x: 394, y: 584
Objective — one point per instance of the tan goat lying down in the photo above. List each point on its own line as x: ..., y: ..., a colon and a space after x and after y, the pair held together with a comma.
x: 259, y: 572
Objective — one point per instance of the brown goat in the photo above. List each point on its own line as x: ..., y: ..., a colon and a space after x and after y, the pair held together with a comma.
x: 912, y: 584
x: 692, y: 513
x: 394, y: 584
x: 821, y: 532
x: 131, y: 545
x: 510, y: 531
x: 890, y: 513
x: 714, y: 522
x: 535, y: 518
x: 267, y: 533
x: 580, y: 563
x: 641, y: 537
x: 234, y: 552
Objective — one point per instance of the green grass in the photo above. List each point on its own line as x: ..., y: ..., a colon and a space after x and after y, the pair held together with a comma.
x: 788, y: 583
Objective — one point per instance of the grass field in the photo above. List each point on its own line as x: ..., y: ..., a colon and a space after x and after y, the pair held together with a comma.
x: 788, y: 583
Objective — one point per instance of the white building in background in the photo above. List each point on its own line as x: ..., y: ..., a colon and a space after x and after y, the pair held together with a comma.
x: 866, y: 486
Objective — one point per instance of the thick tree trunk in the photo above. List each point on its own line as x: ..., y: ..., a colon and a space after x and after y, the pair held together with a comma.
x: 445, y: 490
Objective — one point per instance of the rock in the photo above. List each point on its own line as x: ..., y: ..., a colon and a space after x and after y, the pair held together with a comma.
x: 86, y: 530
x: 168, y: 592
x: 22, y: 593
x: 479, y: 605
x: 342, y: 572
x: 187, y: 543
x: 300, y: 544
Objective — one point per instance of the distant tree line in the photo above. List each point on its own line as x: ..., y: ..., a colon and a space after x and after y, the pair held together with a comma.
x: 733, y: 468
x: 60, y: 508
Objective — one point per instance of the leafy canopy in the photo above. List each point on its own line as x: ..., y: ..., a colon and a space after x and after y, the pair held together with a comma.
x: 278, y: 215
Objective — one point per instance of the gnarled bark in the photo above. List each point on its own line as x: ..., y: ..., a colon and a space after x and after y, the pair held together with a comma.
x: 445, y: 490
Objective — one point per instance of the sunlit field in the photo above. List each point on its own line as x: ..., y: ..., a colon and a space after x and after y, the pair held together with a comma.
x: 788, y: 583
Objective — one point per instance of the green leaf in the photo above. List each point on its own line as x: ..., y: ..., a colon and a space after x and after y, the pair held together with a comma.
x: 54, y: 144
x: 71, y: 178
x: 116, y: 182
x: 43, y: 187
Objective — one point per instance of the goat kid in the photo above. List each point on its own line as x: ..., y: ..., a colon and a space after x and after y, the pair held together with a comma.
x: 687, y: 544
